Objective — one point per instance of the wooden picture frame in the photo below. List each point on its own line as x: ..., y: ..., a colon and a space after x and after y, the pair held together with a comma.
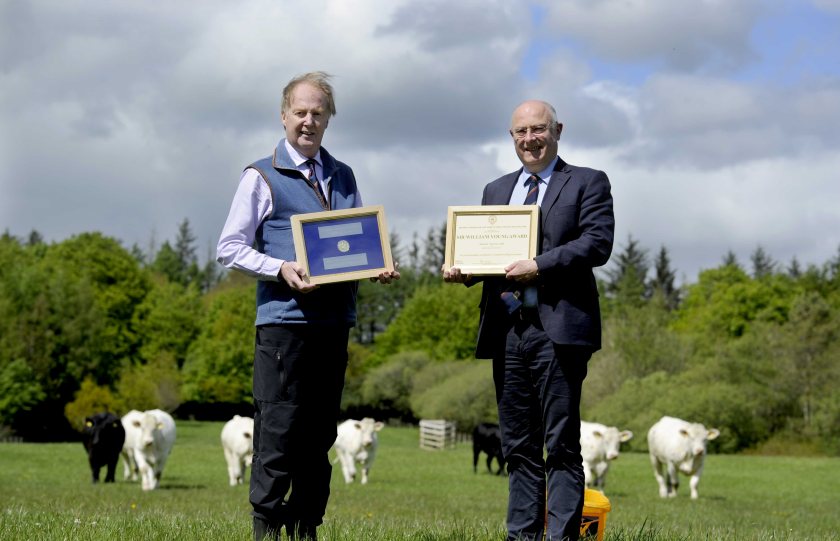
x: 342, y: 245
x: 484, y: 239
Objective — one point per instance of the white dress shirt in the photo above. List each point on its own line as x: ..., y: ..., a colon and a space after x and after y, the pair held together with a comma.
x: 520, y: 191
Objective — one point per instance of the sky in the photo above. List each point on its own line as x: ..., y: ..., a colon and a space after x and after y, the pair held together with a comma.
x: 717, y: 121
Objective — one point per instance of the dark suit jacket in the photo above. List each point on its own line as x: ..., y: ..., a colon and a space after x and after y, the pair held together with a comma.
x: 576, y: 234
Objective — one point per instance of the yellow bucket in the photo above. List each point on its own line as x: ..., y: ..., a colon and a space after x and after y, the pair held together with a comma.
x: 594, y: 519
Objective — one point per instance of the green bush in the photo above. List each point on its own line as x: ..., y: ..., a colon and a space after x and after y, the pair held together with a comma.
x: 220, y: 361
x: 19, y: 389
x: 632, y: 407
x: 167, y: 320
x: 440, y: 319
x: 357, y: 366
x: 718, y: 405
x: 388, y: 387
x: 728, y: 407
x: 827, y: 422
x: 155, y: 385
x: 435, y: 373
x: 91, y: 398
x: 465, y: 394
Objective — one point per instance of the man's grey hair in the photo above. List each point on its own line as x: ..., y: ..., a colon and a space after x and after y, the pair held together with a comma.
x: 318, y: 79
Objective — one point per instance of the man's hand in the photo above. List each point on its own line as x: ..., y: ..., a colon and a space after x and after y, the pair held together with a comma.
x: 293, y: 275
x: 386, y: 277
x: 524, y: 270
x: 455, y: 276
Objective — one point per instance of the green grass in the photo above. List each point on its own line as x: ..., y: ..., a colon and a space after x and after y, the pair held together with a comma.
x: 413, y: 495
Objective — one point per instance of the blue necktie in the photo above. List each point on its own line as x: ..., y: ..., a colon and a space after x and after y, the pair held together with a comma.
x: 313, y: 181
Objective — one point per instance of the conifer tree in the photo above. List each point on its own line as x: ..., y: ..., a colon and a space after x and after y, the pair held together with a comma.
x: 762, y: 264
x: 662, y: 282
x: 626, y: 282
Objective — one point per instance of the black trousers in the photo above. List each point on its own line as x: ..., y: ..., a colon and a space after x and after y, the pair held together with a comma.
x: 298, y: 379
x: 538, y: 386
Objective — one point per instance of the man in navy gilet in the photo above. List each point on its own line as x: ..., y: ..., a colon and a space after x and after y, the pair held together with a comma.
x: 301, y: 330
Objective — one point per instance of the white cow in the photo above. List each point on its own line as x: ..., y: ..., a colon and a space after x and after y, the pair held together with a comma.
x: 131, y: 422
x: 151, y: 447
x: 678, y: 446
x: 238, y: 445
x: 599, y: 444
x: 357, y: 442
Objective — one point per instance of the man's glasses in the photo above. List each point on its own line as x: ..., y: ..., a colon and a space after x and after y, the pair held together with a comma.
x: 521, y: 133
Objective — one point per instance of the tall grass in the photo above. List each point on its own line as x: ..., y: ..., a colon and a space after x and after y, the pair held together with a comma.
x: 413, y: 495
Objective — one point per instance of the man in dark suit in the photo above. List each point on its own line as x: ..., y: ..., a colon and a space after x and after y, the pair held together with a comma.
x: 541, y: 323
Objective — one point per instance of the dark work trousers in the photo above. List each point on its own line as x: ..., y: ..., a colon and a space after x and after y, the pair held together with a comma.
x: 298, y: 379
x: 538, y: 386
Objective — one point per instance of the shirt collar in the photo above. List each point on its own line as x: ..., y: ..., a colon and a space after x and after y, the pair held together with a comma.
x: 298, y: 158
x: 545, y: 174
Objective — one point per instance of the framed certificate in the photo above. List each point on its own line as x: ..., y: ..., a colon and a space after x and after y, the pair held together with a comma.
x: 342, y: 245
x: 484, y: 239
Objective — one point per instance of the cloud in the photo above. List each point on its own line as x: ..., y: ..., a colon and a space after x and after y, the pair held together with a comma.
x: 700, y: 214
x: 417, y: 187
x: 681, y: 35
x: 590, y: 117
x: 827, y: 5
x: 438, y: 26
x: 714, y: 123
x: 126, y: 118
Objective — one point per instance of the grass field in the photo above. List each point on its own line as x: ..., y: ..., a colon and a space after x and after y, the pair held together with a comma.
x: 413, y: 495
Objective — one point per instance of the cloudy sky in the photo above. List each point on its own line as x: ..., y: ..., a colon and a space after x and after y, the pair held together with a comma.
x: 717, y: 121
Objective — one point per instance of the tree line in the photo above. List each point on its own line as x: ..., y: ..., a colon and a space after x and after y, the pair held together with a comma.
x: 86, y: 324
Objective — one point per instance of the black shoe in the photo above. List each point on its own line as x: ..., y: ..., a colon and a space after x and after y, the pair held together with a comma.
x: 265, y: 530
x: 299, y: 531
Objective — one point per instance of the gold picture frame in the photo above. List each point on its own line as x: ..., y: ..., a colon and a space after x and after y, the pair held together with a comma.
x: 484, y: 239
x: 342, y: 245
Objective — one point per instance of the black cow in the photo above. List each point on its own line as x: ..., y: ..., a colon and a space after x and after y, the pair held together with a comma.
x: 487, y: 438
x: 103, y: 438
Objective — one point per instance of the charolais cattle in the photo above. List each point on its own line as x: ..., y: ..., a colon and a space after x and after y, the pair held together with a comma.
x: 238, y: 446
x: 152, y: 436
x: 678, y: 446
x: 357, y: 442
x: 103, y: 438
x: 487, y: 438
x: 131, y: 422
x: 599, y: 445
